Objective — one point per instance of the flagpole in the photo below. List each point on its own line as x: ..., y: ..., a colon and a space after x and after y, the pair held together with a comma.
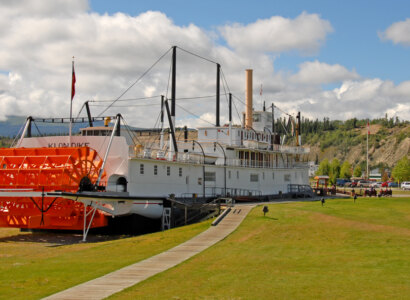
x: 71, y: 100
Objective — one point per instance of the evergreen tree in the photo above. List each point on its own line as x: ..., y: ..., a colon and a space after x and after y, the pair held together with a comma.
x: 401, y: 171
x: 334, y: 171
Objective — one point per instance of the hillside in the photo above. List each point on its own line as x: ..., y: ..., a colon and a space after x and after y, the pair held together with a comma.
x: 389, y: 140
x: 386, y: 145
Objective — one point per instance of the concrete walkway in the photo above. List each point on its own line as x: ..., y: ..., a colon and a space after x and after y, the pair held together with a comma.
x: 116, y: 281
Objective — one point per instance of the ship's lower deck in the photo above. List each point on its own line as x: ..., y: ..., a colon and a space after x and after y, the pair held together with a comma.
x: 161, y: 178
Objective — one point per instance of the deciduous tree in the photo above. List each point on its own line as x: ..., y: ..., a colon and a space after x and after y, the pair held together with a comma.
x: 357, y: 171
x: 324, y: 167
x: 346, y: 170
x: 401, y: 171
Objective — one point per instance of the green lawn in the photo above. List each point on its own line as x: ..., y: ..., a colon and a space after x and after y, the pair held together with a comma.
x: 343, y: 250
x: 399, y: 191
x: 32, y: 267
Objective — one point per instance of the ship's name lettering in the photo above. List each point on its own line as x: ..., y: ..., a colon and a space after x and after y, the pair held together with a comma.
x: 61, y: 145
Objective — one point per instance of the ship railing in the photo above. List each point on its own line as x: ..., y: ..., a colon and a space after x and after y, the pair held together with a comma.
x: 299, y: 188
x: 198, y: 158
x: 263, y: 164
x: 230, y: 192
x: 154, y: 148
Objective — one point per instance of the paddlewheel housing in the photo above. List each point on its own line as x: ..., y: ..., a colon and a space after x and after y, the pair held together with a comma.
x: 25, y: 170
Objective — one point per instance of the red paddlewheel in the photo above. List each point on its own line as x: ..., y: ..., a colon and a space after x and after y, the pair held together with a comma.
x: 47, y: 169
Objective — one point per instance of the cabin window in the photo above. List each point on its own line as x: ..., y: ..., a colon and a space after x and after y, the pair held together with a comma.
x: 155, y: 170
x: 286, y: 177
x: 210, y: 176
x: 141, y: 168
x: 263, y: 175
x: 187, y: 179
x: 254, y: 177
x: 180, y: 172
x: 168, y: 170
x: 229, y: 174
x: 273, y: 176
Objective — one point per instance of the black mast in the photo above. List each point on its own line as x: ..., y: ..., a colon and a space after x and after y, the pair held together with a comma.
x: 173, y: 84
x: 162, y: 109
x: 230, y: 107
x: 218, y: 75
x: 87, y: 108
x: 174, y: 141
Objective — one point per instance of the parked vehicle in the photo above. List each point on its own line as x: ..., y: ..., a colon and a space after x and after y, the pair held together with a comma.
x: 363, y: 183
x: 376, y: 184
x: 405, y: 185
x: 350, y: 184
x: 385, y: 184
x: 393, y: 184
x: 342, y: 182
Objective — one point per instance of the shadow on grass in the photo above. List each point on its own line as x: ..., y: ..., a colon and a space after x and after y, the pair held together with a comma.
x: 270, y: 218
x: 58, y: 239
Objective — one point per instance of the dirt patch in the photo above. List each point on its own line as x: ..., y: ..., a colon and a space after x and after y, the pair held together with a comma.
x: 55, y: 239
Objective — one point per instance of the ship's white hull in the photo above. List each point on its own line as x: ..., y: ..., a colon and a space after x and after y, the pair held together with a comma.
x: 182, y: 178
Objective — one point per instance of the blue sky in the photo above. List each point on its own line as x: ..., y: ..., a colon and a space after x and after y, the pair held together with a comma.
x: 336, y: 59
x: 354, y: 42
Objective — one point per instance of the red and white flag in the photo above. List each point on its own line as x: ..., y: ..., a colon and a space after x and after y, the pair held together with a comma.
x: 73, y: 84
x: 368, y: 127
x: 261, y: 91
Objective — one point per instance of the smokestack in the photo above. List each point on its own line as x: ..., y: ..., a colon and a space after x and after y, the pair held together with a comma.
x: 249, y: 91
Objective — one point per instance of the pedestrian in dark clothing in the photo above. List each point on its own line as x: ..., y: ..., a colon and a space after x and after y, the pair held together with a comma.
x: 323, y: 201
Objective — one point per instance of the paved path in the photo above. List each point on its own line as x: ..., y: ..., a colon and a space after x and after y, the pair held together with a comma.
x: 116, y: 281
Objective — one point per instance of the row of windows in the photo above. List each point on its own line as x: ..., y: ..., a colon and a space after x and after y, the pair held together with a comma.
x: 211, y: 176
x: 142, y: 170
x: 263, y: 176
x: 251, y: 135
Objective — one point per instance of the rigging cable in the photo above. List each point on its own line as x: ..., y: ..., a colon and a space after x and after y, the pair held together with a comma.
x: 149, y: 69
x: 121, y: 100
x: 38, y: 129
x: 201, y: 57
x: 18, y: 134
x: 194, y: 115
x: 131, y: 133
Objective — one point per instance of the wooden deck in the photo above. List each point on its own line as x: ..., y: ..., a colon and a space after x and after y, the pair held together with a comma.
x: 116, y: 281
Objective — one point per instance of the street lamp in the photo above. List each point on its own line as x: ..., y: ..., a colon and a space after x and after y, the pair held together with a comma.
x: 223, y: 150
x: 203, y: 164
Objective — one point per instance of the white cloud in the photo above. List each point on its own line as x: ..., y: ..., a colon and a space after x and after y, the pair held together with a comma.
x: 112, y: 51
x: 315, y: 72
x: 368, y: 98
x: 305, y: 34
x: 398, y: 33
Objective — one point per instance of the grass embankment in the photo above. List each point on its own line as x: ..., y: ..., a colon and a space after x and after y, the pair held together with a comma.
x: 401, y: 192
x: 31, y: 267
x: 343, y: 250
